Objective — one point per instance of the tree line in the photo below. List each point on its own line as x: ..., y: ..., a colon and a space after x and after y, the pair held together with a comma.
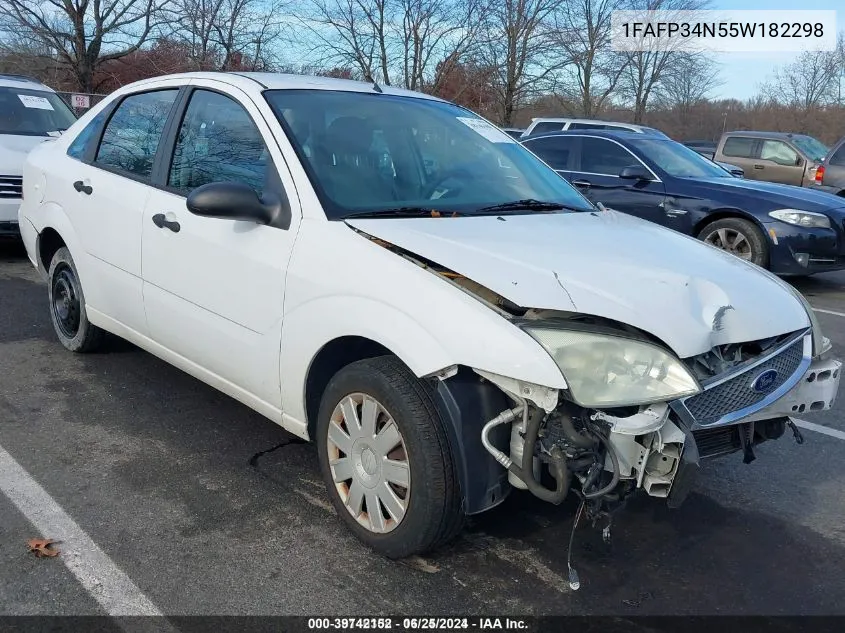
x: 508, y: 60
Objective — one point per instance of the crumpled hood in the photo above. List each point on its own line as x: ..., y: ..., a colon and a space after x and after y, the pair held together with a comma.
x: 13, y: 151
x: 607, y: 264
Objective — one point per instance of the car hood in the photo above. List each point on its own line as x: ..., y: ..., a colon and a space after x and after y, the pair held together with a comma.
x: 607, y: 264
x: 779, y: 196
x: 13, y: 151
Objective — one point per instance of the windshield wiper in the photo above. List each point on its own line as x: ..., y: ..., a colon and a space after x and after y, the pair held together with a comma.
x: 528, y: 204
x: 404, y: 212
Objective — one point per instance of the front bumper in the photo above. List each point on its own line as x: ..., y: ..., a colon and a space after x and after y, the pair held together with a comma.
x: 796, y: 250
x: 9, y: 217
x: 665, y: 464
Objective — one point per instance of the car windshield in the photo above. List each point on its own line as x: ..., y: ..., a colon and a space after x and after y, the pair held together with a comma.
x: 679, y: 160
x: 811, y: 147
x: 28, y: 112
x: 372, y: 153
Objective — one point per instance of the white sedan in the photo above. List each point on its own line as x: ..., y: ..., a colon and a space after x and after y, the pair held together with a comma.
x: 397, y: 279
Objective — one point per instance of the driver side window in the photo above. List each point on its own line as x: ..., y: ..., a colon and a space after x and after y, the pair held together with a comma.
x: 218, y: 142
x: 778, y: 152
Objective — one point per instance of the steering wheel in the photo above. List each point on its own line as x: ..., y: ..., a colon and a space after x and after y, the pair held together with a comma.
x: 446, y: 175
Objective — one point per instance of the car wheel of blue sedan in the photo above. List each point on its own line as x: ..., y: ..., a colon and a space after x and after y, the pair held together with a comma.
x: 739, y: 237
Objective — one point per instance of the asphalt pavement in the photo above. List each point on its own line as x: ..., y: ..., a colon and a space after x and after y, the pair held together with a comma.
x: 191, y: 504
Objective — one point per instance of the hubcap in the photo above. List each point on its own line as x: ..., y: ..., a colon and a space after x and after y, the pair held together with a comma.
x: 369, y: 464
x: 66, y: 306
x: 732, y: 241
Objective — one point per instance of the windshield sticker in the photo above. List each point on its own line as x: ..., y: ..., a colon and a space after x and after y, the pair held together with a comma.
x: 39, y: 103
x: 488, y: 131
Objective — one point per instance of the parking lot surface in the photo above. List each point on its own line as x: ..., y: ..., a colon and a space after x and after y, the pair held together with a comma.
x: 184, y: 502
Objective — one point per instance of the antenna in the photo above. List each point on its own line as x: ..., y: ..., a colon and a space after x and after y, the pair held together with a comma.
x: 377, y: 88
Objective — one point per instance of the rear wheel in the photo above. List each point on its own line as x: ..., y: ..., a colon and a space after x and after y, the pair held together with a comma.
x: 67, y: 306
x: 385, y: 458
x: 739, y: 237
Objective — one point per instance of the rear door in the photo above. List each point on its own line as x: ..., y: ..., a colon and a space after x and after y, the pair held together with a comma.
x: 595, y: 172
x: 741, y: 151
x: 104, y: 186
x: 780, y: 163
x: 557, y: 151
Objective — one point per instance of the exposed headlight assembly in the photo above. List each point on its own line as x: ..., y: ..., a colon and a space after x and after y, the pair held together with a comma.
x: 806, y: 219
x: 604, y: 371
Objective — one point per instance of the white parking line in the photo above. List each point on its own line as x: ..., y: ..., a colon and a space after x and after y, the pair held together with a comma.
x: 818, y: 428
x: 833, y: 312
x: 95, y: 571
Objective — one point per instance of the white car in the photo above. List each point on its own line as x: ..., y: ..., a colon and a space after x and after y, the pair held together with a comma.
x: 30, y: 113
x: 444, y: 336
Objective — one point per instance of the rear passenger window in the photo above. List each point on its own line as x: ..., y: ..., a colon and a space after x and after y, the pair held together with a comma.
x: 553, y: 150
x: 838, y: 157
x: 131, y: 138
x: 739, y: 146
x: 79, y: 146
x: 547, y: 126
x: 218, y: 142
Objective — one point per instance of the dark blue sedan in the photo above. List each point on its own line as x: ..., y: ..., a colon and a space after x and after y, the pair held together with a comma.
x: 790, y: 230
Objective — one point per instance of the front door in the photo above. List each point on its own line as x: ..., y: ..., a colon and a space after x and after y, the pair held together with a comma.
x: 596, y: 175
x: 214, y: 288
x: 780, y: 163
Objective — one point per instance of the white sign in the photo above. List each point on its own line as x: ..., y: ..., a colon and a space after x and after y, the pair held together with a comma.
x: 39, y: 103
x: 488, y: 131
x: 82, y: 102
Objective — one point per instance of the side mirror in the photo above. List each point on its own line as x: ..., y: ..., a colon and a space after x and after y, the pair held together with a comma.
x: 799, y: 161
x: 635, y: 172
x: 237, y: 201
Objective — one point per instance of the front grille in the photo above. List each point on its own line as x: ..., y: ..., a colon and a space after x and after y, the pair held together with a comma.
x: 11, y: 186
x: 735, y: 394
x: 718, y: 441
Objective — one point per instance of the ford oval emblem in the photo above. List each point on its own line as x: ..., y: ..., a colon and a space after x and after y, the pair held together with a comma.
x: 764, y: 381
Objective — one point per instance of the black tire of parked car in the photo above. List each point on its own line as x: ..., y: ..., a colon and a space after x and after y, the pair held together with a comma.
x: 752, y: 234
x: 67, y: 306
x: 434, y: 512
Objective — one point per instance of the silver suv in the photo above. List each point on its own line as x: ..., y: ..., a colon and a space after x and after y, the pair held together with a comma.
x: 30, y: 113
x: 831, y: 173
x: 546, y: 125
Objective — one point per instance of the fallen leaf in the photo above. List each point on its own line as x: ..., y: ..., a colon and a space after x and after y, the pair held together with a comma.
x: 42, y: 547
x: 435, y: 213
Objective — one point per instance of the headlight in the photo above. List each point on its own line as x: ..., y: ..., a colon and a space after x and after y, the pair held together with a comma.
x: 610, y: 371
x: 802, y: 218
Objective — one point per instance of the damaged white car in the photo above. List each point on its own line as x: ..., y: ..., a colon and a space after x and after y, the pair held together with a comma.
x: 394, y: 278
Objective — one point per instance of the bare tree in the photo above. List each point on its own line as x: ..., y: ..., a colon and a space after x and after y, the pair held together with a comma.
x: 520, y: 45
x: 811, y: 81
x: 436, y: 32
x: 84, y: 33
x: 195, y: 22
x: 583, y: 30
x: 688, y: 81
x: 646, y: 67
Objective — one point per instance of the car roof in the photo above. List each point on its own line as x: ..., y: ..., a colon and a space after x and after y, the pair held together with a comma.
x: 625, y: 135
x: 283, y: 81
x: 8, y: 80
x: 759, y: 134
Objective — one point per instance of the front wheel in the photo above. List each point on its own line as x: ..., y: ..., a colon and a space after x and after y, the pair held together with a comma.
x: 67, y: 306
x: 385, y: 458
x: 739, y: 237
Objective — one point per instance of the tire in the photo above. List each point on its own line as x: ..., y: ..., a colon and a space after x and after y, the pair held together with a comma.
x: 67, y: 306
x: 431, y: 500
x: 752, y: 245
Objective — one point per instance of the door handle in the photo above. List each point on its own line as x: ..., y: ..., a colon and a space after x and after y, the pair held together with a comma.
x: 581, y: 183
x: 81, y: 187
x: 759, y: 166
x: 163, y: 223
